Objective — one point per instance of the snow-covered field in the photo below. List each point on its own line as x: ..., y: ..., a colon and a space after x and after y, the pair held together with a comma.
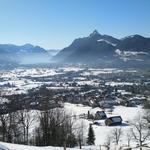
x: 101, y: 131
x: 8, y: 146
x: 127, y: 113
x: 20, y: 80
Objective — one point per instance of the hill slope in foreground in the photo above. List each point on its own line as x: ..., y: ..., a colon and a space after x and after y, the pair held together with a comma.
x: 101, y: 132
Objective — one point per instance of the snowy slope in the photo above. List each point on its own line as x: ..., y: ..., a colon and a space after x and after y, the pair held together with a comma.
x: 8, y: 146
x: 101, y: 131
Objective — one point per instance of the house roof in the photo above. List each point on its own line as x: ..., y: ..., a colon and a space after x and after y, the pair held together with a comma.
x: 101, y: 112
x: 116, y: 119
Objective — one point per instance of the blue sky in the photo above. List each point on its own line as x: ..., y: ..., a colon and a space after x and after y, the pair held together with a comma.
x: 54, y: 24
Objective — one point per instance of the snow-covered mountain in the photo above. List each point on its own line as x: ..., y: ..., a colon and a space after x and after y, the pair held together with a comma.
x: 12, y: 55
x: 95, y: 49
x: 103, y: 49
x: 27, y: 48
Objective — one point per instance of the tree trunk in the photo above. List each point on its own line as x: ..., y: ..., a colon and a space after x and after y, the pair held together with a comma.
x: 65, y: 145
x: 80, y: 145
x: 27, y: 135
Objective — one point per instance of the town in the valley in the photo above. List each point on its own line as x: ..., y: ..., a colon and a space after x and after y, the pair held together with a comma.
x: 108, y: 99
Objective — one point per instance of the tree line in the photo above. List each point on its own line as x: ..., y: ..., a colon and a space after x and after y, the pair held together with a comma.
x: 45, y: 128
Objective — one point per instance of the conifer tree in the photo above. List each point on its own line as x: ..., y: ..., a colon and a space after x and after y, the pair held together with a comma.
x: 91, y: 136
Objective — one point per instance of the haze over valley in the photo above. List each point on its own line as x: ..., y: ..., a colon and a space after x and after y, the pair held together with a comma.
x: 93, y: 50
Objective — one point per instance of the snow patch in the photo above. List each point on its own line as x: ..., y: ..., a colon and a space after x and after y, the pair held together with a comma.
x: 102, y: 40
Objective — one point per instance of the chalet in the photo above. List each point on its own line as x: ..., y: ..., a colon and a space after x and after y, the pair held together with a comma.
x: 100, y: 115
x: 112, y: 121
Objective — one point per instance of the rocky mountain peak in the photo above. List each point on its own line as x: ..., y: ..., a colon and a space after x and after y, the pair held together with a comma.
x: 95, y: 33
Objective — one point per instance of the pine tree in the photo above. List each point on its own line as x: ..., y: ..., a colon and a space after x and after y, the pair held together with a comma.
x: 91, y: 136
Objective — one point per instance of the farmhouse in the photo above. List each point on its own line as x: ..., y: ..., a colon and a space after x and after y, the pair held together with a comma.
x: 100, y: 115
x: 112, y: 121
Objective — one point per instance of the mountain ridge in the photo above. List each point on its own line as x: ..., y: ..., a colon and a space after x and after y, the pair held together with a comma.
x: 97, y: 47
x: 12, y: 48
x: 12, y: 55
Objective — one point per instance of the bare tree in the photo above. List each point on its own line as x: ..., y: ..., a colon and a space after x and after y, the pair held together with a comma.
x: 80, y: 130
x: 26, y: 119
x: 116, y: 135
x: 108, y: 142
x: 140, y: 131
x: 15, y: 126
x: 10, y: 127
x: 55, y: 129
x: 3, y: 122
x: 129, y: 137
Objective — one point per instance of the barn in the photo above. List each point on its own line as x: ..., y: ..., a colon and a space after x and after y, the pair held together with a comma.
x: 112, y: 121
x: 100, y: 115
